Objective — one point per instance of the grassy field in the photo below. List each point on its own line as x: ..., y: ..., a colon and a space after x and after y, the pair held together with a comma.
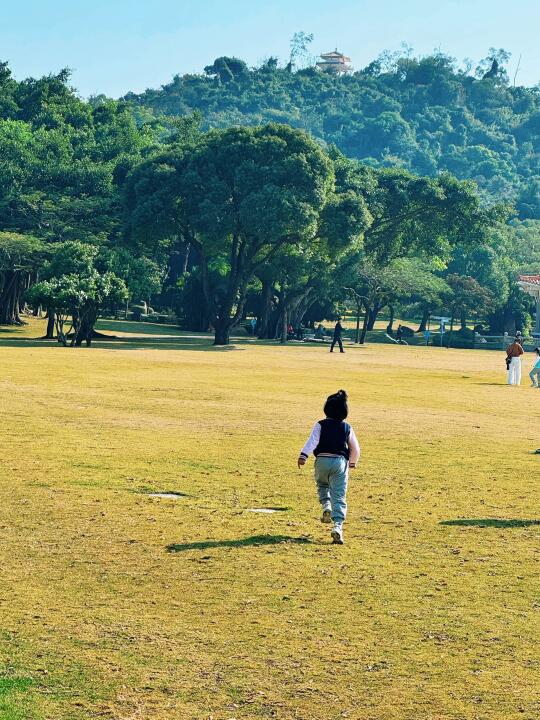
x: 118, y: 605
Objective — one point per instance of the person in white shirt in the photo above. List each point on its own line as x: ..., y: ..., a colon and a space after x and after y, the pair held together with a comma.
x: 336, y: 449
x: 513, y: 362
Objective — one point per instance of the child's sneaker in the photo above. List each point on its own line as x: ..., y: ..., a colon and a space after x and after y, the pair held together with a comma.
x: 326, y: 516
x: 337, y: 535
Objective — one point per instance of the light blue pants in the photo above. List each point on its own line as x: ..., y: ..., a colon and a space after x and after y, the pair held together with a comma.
x: 535, y: 375
x: 331, y: 475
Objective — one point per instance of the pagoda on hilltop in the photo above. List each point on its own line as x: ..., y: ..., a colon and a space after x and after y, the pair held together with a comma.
x: 335, y: 63
x: 531, y: 285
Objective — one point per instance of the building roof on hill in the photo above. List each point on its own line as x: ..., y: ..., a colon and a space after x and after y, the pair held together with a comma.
x: 531, y: 279
x: 335, y: 55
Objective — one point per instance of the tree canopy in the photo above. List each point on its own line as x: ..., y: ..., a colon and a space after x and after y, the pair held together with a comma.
x: 209, y: 198
x: 427, y: 114
x: 243, y: 195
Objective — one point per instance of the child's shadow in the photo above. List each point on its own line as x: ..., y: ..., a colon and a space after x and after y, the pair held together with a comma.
x: 253, y: 541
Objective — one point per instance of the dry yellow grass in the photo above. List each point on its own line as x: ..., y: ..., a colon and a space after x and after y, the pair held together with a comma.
x: 117, y: 605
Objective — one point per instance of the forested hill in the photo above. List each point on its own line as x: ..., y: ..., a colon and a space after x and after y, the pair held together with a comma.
x: 426, y: 115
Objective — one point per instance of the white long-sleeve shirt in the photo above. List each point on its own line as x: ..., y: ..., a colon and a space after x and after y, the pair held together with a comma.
x: 314, y: 438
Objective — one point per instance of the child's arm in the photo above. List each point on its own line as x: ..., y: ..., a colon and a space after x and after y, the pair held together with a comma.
x: 311, y: 444
x: 354, y: 449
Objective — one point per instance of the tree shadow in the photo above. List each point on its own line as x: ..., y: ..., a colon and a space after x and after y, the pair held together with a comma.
x: 253, y: 541
x: 165, y: 344
x: 28, y: 342
x: 490, y: 522
x: 135, y: 343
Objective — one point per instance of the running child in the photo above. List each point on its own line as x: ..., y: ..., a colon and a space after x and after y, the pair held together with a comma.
x: 336, y: 449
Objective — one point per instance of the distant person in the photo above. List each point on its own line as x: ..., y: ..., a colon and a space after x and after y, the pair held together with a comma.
x: 319, y: 332
x: 336, y: 449
x: 399, y: 334
x: 338, y: 332
x: 427, y: 335
x: 535, y: 371
x: 513, y: 362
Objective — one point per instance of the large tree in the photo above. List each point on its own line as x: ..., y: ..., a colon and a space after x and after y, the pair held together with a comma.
x: 75, y: 288
x: 424, y: 216
x: 468, y: 298
x: 243, y: 195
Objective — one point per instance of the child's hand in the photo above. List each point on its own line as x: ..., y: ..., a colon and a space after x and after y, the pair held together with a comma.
x: 301, y: 461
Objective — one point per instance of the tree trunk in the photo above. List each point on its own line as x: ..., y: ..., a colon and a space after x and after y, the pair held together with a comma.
x: 266, y: 296
x: 222, y: 333
x: 185, y: 263
x: 224, y: 316
x: 10, y: 298
x: 83, y: 334
x: 373, y: 313
x: 358, y: 311
x: 451, y: 331
x: 463, y: 321
x: 300, y: 306
x: 49, y: 335
x: 424, y: 321
x: 365, y: 325
x: 390, y: 326
x: 284, y: 324
x: 84, y: 329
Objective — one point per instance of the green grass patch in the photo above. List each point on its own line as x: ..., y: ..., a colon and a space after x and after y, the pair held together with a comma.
x: 119, y: 605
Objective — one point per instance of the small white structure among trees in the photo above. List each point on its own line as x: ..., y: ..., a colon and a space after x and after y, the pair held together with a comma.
x: 335, y: 63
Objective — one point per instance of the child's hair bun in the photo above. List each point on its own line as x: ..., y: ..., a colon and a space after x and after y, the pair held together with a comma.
x: 335, y: 406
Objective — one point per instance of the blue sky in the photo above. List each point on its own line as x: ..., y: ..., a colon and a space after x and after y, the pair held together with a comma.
x: 114, y: 46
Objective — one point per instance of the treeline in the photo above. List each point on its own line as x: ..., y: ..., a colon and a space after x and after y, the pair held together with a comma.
x: 98, y: 210
x: 63, y: 166
x: 426, y: 115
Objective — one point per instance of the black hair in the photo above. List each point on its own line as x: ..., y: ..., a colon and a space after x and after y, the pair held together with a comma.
x: 336, y: 406
x: 537, y: 350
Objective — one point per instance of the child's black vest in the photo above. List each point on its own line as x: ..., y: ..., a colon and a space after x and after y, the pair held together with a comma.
x: 334, y: 438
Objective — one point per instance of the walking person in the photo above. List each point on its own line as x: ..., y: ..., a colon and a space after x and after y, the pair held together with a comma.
x: 338, y: 332
x: 535, y: 371
x: 513, y: 362
x: 336, y: 449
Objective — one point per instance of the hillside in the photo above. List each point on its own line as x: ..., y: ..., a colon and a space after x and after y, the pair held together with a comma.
x: 426, y: 115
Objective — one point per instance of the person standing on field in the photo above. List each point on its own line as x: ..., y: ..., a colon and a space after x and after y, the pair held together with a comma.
x: 535, y: 372
x: 513, y: 362
x: 336, y: 449
x: 338, y: 331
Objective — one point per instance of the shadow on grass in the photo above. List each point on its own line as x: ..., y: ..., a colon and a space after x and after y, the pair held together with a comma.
x: 195, y: 344
x: 490, y: 522
x: 253, y: 541
x: 28, y: 342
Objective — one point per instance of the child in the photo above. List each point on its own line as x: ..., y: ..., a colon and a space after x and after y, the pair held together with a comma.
x: 336, y: 449
x: 535, y: 372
